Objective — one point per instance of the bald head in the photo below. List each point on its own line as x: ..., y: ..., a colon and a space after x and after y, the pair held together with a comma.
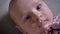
x: 24, y: 4
x: 22, y: 7
x: 28, y: 15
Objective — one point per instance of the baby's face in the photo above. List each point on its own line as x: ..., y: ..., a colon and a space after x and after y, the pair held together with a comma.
x: 32, y: 16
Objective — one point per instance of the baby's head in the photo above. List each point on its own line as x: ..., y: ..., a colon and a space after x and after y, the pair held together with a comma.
x: 30, y: 16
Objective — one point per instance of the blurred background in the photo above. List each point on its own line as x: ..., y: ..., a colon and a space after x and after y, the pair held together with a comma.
x: 54, y: 5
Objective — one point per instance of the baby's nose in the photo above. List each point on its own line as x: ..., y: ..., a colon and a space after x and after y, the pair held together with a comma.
x: 39, y: 14
x: 41, y: 17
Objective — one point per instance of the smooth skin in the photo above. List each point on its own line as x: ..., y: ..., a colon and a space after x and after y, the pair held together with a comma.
x: 30, y: 16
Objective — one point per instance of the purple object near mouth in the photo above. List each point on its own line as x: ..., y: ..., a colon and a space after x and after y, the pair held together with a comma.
x: 55, y: 28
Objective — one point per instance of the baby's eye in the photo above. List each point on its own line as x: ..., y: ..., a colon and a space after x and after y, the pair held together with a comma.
x: 38, y: 7
x: 28, y: 17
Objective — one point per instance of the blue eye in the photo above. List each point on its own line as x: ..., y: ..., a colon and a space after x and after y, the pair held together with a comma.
x: 38, y: 7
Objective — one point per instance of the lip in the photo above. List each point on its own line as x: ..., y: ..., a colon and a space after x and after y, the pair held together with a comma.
x: 45, y: 24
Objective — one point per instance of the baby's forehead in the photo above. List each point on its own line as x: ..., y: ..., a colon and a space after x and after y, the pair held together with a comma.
x: 29, y: 1
x: 24, y: 6
x: 27, y: 4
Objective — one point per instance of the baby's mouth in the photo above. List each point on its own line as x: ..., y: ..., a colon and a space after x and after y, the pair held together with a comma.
x: 45, y: 25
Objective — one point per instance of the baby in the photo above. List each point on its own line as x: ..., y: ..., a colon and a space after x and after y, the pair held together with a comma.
x: 31, y: 16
